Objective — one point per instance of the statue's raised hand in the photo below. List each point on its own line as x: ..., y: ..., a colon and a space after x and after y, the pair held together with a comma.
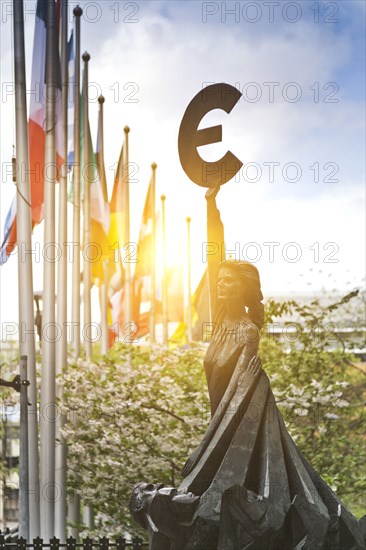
x: 211, y: 193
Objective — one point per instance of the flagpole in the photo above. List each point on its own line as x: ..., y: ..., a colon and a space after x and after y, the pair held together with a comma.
x: 61, y: 344
x: 75, y: 313
x: 25, y: 272
x: 103, y: 291
x: 87, y: 220
x: 47, y: 413
x: 126, y: 188
x: 164, y: 293
x: 189, y: 289
x: 23, y: 452
x: 153, y: 258
x: 88, y: 512
x: 73, y: 509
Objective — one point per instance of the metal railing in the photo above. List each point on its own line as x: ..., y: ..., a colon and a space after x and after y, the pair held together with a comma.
x: 9, y: 541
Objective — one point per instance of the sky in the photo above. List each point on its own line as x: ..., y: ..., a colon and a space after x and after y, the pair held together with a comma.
x: 296, y: 209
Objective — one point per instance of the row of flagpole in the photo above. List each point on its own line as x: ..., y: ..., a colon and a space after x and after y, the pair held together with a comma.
x: 47, y: 484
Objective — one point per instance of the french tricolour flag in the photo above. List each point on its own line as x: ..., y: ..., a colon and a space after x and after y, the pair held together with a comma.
x: 36, y: 126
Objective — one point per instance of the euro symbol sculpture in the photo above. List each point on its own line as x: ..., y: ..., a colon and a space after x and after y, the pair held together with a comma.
x: 207, y: 174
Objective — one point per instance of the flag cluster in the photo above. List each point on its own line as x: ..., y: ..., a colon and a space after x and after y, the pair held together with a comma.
x: 36, y: 130
x: 149, y: 282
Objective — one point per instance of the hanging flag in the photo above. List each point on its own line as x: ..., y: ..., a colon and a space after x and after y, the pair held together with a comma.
x: 201, y: 308
x: 37, y: 117
x: 99, y: 208
x: 145, y: 262
x: 174, y: 278
x: 116, y: 303
x: 37, y: 114
x: 9, y: 233
x: 144, y: 251
x: 100, y: 219
x: 116, y: 235
x: 200, y: 313
x: 99, y: 159
x: 71, y: 113
x: 71, y: 102
x: 175, y: 292
x: 115, y: 311
x: 116, y: 240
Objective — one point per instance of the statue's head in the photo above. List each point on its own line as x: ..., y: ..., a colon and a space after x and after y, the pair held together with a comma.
x: 238, y: 281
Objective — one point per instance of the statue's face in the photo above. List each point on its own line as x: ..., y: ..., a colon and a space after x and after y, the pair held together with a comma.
x: 229, y: 286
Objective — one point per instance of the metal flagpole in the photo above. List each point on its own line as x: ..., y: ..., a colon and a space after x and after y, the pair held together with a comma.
x: 87, y: 336
x: 153, y: 257
x: 61, y: 344
x: 189, y: 289
x: 165, y: 294
x: 23, y: 452
x: 103, y: 290
x: 87, y: 221
x: 88, y: 517
x: 75, y: 314
x: 73, y: 511
x: 25, y: 274
x: 126, y: 202
x: 47, y: 413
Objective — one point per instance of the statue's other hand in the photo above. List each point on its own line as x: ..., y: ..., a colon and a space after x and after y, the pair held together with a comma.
x: 247, y: 377
x: 255, y: 365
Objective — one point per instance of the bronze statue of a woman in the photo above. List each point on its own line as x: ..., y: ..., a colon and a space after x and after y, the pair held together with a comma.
x: 246, y: 485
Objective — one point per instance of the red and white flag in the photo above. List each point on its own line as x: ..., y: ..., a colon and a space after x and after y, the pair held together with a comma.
x: 36, y: 129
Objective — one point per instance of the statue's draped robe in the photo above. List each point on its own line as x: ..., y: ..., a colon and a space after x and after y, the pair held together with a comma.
x: 256, y: 488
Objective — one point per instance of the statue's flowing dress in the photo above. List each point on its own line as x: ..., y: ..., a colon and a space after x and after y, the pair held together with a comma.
x: 255, y: 485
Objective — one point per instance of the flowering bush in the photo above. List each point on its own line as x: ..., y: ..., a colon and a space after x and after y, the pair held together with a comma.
x: 134, y: 416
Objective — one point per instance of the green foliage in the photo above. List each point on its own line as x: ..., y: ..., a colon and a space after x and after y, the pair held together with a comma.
x: 137, y: 414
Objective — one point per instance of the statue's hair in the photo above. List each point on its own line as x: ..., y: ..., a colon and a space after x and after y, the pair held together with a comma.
x: 253, y: 296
